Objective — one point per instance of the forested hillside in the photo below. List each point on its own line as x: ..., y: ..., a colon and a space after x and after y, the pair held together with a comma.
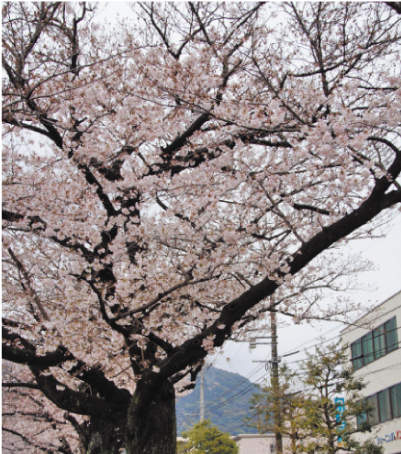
x: 226, y: 402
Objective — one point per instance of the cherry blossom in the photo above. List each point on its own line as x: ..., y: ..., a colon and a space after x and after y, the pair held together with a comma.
x: 169, y: 181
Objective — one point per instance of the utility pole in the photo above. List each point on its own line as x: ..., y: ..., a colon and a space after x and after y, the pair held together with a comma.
x: 274, y: 380
x: 276, y: 386
x: 202, y: 398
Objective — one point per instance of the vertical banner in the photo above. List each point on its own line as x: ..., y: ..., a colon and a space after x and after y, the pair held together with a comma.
x: 340, y: 408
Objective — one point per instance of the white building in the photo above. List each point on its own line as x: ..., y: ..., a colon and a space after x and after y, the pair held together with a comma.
x: 258, y: 443
x: 375, y: 353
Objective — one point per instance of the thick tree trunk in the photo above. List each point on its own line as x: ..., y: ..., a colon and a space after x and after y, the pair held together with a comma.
x: 105, y: 437
x: 147, y: 427
x: 151, y: 422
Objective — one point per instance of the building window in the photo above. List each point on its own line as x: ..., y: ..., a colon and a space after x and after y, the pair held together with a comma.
x: 383, y: 398
x: 356, y: 351
x: 374, y: 417
x: 386, y: 406
x: 379, y: 342
x: 272, y: 448
x: 395, y: 398
x: 367, y: 348
x: 374, y: 345
x: 391, y: 335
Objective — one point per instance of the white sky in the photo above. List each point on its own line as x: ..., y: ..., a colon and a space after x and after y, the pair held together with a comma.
x: 383, y: 282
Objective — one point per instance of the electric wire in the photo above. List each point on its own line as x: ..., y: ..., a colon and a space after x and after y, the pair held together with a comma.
x: 216, y: 405
x: 305, y: 359
x: 336, y: 337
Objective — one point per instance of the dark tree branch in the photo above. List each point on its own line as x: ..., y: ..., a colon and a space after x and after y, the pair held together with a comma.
x: 27, y: 354
x: 53, y: 134
x: 12, y: 75
x: 300, y: 206
x: 11, y: 217
x: 166, y: 346
x: 252, y: 139
x: 192, y: 351
x: 13, y: 323
x: 180, y: 141
x: 75, y: 401
x: 396, y: 6
x: 91, y: 179
x: 23, y: 356
x: 20, y: 385
x: 43, y: 20
x: 155, y: 300
x: 96, y: 379
x: 66, y: 242
x: 102, y: 304
x: 20, y: 124
x: 386, y: 142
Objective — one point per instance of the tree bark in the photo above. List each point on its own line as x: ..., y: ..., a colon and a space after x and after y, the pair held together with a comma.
x: 151, y: 421
x: 106, y: 437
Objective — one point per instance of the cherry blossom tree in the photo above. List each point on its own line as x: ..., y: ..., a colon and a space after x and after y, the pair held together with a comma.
x: 169, y: 181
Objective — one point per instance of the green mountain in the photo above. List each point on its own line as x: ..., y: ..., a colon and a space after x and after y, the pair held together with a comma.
x: 226, y: 402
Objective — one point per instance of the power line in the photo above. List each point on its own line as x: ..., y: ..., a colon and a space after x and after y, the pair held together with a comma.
x: 244, y: 379
x: 214, y: 405
x: 218, y: 405
x: 299, y: 373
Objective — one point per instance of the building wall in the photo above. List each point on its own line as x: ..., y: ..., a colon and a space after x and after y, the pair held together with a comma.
x: 255, y: 444
x: 382, y: 373
x: 259, y: 443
